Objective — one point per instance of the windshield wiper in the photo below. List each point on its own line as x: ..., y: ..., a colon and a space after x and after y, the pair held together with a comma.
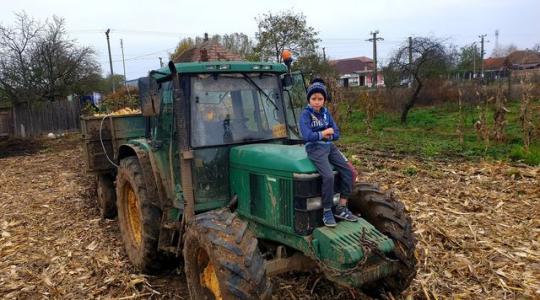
x: 253, y: 83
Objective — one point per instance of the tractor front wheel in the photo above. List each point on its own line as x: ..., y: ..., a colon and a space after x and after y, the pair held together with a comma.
x: 222, y: 260
x: 388, y: 215
x: 138, y: 217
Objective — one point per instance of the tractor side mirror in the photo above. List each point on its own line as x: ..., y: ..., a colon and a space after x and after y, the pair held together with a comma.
x: 149, y: 95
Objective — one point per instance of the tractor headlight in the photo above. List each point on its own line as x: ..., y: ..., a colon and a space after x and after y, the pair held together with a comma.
x: 315, y: 203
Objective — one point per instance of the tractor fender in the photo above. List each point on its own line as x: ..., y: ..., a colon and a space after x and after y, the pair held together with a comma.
x: 152, y: 178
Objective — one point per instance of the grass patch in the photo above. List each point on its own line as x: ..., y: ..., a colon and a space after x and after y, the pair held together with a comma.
x: 532, y: 157
x: 431, y: 132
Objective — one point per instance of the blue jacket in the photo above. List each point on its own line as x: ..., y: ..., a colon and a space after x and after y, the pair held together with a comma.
x: 312, y: 123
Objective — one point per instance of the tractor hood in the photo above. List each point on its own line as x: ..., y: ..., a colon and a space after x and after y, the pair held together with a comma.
x: 281, y: 158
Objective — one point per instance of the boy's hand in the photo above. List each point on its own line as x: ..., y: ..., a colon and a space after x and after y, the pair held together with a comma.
x: 327, y: 132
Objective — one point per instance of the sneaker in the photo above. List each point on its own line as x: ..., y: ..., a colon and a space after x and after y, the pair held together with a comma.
x: 328, y: 218
x: 343, y: 213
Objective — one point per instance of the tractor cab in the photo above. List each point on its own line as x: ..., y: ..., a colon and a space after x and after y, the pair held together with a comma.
x: 226, y: 104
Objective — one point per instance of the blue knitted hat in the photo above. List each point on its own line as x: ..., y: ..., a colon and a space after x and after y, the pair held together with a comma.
x: 317, y: 86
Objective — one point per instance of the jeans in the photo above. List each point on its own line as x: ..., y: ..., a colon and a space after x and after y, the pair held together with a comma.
x: 323, y: 157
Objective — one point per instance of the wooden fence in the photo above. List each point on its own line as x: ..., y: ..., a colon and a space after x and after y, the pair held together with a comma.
x: 5, y: 122
x: 44, y: 117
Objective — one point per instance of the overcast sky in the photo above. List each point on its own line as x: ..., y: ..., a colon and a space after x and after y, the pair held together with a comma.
x: 152, y: 28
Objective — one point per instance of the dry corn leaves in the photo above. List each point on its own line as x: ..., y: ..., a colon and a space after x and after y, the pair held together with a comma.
x: 52, y: 242
x: 477, y: 225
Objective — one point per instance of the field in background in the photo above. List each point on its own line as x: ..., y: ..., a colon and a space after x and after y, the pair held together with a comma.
x: 432, y: 131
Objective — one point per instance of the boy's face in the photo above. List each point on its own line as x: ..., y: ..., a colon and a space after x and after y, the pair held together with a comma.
x: 316, y: 101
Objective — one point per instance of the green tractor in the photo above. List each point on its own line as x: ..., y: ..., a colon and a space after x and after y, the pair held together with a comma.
x: 214, y: 172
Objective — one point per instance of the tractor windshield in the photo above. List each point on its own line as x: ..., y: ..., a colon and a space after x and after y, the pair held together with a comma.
x: 235, y: 108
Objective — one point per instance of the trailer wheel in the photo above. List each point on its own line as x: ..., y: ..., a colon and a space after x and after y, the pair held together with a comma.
x: 388, y: 215
x: 106, y: 196
x: 138, y: 217
x: 222, y: 260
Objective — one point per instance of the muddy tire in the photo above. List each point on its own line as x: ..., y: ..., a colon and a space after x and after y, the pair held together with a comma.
x: 388, y: 215
x: 106, y: 196
x: 221, y: 259
x: 139, y: 219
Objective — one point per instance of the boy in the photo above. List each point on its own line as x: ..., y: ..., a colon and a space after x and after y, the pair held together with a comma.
x: 319, y: 130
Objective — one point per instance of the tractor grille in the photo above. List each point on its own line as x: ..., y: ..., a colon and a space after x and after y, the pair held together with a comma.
x: 257, y: 193
x: 285, y: 203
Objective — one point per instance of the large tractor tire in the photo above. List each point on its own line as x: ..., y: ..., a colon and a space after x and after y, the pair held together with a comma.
x: 388, y: 215
x: 106, y: 196
x: 138, y: 217
x: 222, y: 260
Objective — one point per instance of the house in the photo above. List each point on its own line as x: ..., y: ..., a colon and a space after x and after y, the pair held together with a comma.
x: 523, y: 60
x: 356, y: 71
x: 521, y: 63
x: 208, y: 50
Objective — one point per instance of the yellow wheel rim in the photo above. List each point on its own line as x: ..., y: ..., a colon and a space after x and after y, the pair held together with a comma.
x: 209, y: 277
x: 134, y: 217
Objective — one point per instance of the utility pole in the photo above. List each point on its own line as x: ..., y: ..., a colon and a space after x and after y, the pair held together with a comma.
x: 160, y: 62
x: 497, y: 42
x: 374, y: 39
x: 410, y: 62
x: 482, y: 36
x: 324, y: 53
x: 123, y: 61
x: 474, y: 59
x: 110, y: 58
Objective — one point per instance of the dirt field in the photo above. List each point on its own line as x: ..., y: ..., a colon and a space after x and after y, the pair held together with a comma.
x: 477, y: 224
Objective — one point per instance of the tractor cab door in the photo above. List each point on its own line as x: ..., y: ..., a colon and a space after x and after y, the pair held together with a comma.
x: 294, y: 98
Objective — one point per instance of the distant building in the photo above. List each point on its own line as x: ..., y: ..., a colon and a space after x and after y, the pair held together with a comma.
x: 208, y: 50
x: 356, y: 71
x: 521, y: 63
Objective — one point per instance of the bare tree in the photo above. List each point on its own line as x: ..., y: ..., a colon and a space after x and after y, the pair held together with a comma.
x: 285, y: 30
x: 62, y: 64
x: 429, y: 59
x: 16, y: 58
x: 38, y: 62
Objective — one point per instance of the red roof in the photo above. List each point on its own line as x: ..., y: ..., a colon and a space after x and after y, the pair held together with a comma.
x: 515, y: 60
x: 495, y: 63
x: 206, y: 51
x: 523, y: 57
x: 351, y: 65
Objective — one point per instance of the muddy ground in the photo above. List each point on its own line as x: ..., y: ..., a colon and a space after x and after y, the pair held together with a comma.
x: 477, y: 225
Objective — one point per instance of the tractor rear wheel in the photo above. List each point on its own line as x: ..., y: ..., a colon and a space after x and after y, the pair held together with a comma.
x: 388, y: 215
x: 138, y: 217
x: 106, y: 196
x: 222, y: 260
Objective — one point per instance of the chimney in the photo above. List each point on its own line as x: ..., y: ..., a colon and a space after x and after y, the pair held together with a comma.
x: 206, y: 37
